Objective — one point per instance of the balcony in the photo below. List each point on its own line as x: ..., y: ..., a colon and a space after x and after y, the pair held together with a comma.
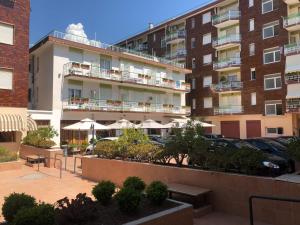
x: 293, y: 105
x: 231, y: 86
x: 141, y: 47
x: 175, y: 37
x: 227, y: 64
x: 227, y: 41
x: 226, y: 19
x: 179, y: 55
x: 292, y: 78
x: 86, y: 104
x: 92, y: 72
x: 292, y: 49
x: 229, y: 110
x: 292, y: 22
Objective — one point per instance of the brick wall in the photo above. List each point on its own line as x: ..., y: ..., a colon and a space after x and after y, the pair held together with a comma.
x: 16, y: 57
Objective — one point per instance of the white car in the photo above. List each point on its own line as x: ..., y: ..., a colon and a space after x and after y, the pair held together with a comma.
x: 89, y: 149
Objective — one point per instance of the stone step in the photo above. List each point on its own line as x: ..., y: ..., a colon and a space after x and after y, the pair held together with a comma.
x: 202, y: 211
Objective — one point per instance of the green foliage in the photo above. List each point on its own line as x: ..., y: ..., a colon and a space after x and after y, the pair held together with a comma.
x: 132, y: 136
x: 128, y: 200
x: 41, y: 137
x: 14, y: 202
x: 103, y: 191
x: 294, y: 149
x: 134, y: 183
x: 157, y: 192
x: 107, y: 149
x: 42, y: 214
x: 141, y: 152
x: 7, y: 156
x: 84, y: 145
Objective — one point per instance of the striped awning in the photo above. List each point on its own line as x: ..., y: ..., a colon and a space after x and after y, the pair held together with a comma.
x: 31, y: 124
x: 12, y: 122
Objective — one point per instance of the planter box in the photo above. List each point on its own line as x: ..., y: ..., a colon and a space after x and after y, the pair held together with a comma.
x: 14, y: 165
x: 179, y: 215
x: 49, y: 154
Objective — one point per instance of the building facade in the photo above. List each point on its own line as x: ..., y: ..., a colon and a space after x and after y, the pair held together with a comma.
x: 76, y: 78
x: 243, y: 55
x: 14, y: 57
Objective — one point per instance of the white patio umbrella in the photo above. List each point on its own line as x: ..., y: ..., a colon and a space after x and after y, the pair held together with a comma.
x: 150, y: 124
x: 85, y: 125
x: 121, y: 124
x: 181, y: 123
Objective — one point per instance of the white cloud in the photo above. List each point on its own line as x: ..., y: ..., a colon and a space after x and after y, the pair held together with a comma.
x: 76, y: 29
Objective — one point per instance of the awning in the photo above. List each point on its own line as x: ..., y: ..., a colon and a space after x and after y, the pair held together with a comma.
x: 292, y: 64
x: 31, y: 124
x: 293, y: 91
x: 11, y: 122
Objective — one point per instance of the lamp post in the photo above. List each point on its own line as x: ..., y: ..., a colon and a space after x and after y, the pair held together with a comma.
x: 93, y: 136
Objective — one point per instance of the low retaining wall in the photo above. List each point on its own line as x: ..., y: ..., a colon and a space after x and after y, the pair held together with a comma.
x: 230, y: 192
x: 14, y: 165
x: 26, y: 150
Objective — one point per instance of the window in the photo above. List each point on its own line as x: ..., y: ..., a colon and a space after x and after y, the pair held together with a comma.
x: 193, y: 43
x: 193, y: 23
x: 207, y: 59
x: 273, y: 108
x: 7, y: 34
x: 154, y: 37
x: 193, y: 83
x: 207, y: 102
x: 270, y: 30
x: 271, y: 55
x: 251, y: 25
x: 251, y: 49
x: 74, y: 93
x: 207, y: 81
x: 206, y: 39
x: 206, y: 18
x: 253, y: 98
x: 194, y: 103
x: 193, y: 63
x: 273, y: 82
x: 251, y: 3
x: 253, y: 74
x: 274, y: 131
x: 267, y: 6
x: 8, y: 136
x: 6, y: 79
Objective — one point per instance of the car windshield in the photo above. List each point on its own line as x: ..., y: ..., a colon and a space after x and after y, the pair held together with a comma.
x: 243, y: 144
x: 276, y: 144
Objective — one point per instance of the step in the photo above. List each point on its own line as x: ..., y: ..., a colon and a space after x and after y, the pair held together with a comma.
x: 202, y: 211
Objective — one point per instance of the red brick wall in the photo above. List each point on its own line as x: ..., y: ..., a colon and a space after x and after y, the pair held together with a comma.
x: 16, y: 57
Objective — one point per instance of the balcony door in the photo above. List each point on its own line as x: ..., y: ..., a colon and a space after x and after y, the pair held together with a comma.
x: 230, y: 100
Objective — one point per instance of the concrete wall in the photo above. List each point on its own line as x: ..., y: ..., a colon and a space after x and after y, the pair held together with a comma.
x: 230, y: 192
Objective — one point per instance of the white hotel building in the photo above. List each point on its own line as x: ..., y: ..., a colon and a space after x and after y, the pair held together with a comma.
x: 72, y: 78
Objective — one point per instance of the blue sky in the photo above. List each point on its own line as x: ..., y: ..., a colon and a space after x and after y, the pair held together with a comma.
x: 111, y: 20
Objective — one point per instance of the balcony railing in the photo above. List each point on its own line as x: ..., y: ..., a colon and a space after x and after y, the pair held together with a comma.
x: 98, y: 44
x: 228, y: 39
x: 227, y: 86
x: 224, y: 63
x: 235, y: 109
x: 293, y: 48
x: 181, y: 34
x: 292, y: 78
x: 293, y: 105
x: 86, y: 104
x: 223, y: 17
x: 141, y: 47
x: 291, y: 20
x: 93, y: 71
x: 181, y: 53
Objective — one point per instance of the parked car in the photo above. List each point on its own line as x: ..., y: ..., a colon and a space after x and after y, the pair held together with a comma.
x: 274, y: 165
x: 157, y: 140
x: 273, y: 147
x: 89, y: 149
x: 285, y: 140
x: 213, y: 136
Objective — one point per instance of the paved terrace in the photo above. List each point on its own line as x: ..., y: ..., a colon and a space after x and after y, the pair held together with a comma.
x: 46, y: 186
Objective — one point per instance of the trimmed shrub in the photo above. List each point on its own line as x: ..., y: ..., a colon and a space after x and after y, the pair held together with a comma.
x: 157, y: 192
x: 46, y: 144
x: 134, y: 183
x: 41, y: 137
x: 107, y: 149
x: 103, y: 191
x: 7, y: 156
x: 128, y: 200
x: 14, y: 202
x: 42, y: 214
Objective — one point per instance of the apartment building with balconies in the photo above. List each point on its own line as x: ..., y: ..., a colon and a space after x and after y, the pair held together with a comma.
x: 78, y: 78
x: 243, y: 56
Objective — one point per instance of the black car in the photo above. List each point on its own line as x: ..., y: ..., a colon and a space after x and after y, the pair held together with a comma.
x: 213, y: 136
x: 273, y: 147
x: 285, y: 140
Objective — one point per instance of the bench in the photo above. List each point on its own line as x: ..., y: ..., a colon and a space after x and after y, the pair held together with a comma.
x: 198, y: 195
x: 32, y: 159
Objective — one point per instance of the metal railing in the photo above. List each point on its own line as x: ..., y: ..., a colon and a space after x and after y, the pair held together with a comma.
x: 232, y: 38
x: 98, y: 44
x: 55, y: 159
x: 94, y: 71
x: 122, y: 106
x: 141, y: 47
x: 180, y: 34
x: 234, y: 109
x: 224, y: 63
x: 292, y: 48
x: 251, y: 215
x: 291, y: 20
x: 293, y: 104
x: 292, y: 78
x: 229, y: 15
x: 227, y: 86
x: 180, y: 53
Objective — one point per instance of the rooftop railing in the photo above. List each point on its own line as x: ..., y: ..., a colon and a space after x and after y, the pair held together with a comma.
x: 227, y: 39
x: 98, y: 44
x: 223, y: 17
x: 233, y: 109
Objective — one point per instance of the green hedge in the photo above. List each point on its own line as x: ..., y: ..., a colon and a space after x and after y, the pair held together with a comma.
x: 41, y: 138
x: 7, y: 156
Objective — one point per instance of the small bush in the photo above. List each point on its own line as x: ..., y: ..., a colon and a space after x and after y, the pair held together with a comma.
x: 7, y: 156
x: 157, y: 192
x: 134, y: 183
x: 46, y: 144
x: 42, y: 214
x: 128, y: 200
x: 294, y: 150
x: 14, y: 202
x: 103, y: 191
x: 107, y: 149
x: 41, y: 137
